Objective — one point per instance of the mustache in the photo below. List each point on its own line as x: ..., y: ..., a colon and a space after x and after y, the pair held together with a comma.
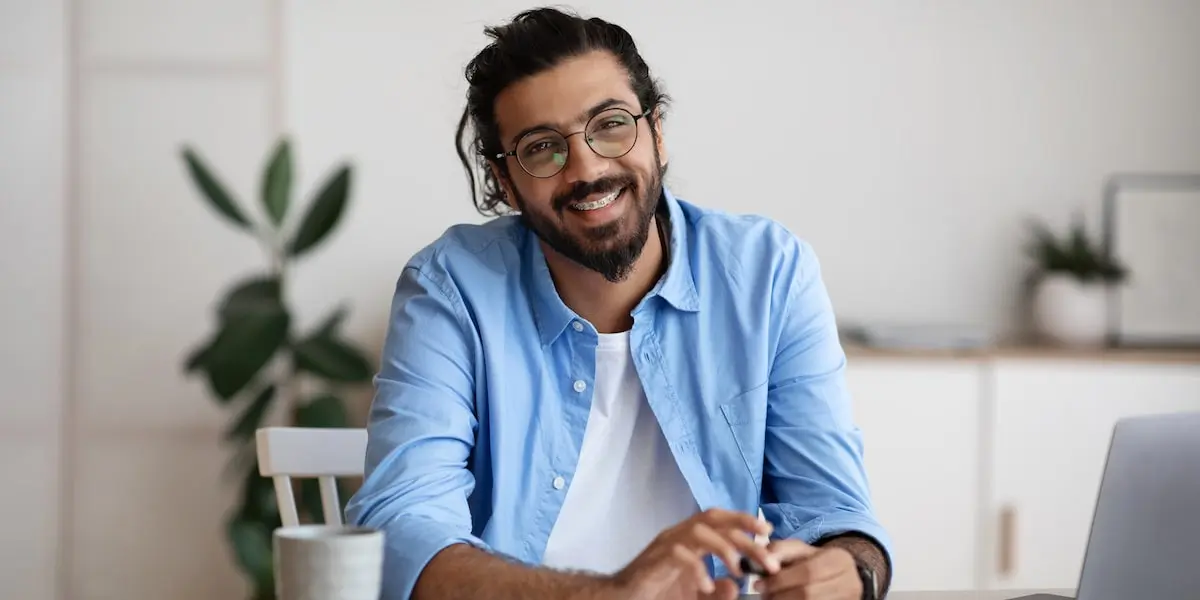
x: 582, y: 189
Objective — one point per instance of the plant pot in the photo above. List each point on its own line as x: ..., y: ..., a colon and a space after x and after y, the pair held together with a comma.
x: 1071, y: 312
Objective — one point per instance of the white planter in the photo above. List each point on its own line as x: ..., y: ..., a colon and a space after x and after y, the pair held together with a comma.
x: 1070, y: 312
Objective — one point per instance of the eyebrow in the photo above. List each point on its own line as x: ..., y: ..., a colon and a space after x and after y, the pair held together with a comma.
x: 583, y: 116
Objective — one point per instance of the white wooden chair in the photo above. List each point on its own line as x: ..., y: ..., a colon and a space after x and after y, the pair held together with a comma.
x: 285, y: 453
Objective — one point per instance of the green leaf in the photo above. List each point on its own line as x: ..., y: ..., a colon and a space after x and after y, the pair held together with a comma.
x: 323, y: 214
x: 332, y: 359
x: 253, y: 326
x: 325, y: 410
x: 196, y: 357
x: 277, y: 182
x: 254, y: 294
x: 330, y: 325
x: 252, y: 416
x: 258, y: 498
x: 213, y: 190
x: 251, y: 543
x: 245, y: 344
x: 1075, y: 254
x: 264, y: 593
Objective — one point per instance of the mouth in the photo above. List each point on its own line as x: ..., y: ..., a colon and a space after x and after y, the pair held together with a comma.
x: 598, y: 203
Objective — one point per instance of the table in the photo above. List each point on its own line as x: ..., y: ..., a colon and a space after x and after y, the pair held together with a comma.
x: 974, y: 595
x: 959, y: 595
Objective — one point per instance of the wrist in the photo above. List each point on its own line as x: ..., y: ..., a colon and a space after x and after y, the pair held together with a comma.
x: 603, y: 587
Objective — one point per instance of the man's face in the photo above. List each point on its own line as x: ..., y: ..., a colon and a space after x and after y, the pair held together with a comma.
x: 574, y: 211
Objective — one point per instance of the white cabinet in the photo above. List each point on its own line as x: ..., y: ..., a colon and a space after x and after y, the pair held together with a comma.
x: 1051, y: 421
x: 921, y: 423
x: 985, y: 469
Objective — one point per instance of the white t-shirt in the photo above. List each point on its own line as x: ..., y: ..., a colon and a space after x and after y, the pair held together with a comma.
x: 627, y: 487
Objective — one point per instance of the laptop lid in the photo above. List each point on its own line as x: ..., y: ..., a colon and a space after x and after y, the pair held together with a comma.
x: 1146, y: 525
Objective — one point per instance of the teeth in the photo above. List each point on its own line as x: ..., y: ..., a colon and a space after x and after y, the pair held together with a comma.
x: 598, y: 204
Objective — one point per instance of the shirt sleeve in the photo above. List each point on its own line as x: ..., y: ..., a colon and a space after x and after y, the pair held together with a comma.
x: 420, y: 433
x: 815, y: 483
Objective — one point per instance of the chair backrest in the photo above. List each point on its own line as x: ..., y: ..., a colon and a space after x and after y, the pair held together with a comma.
x: 310, y: 453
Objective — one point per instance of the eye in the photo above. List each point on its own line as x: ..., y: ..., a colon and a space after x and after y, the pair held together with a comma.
x: 541, y: 146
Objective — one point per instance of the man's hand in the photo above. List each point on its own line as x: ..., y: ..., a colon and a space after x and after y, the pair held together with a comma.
x: 672, y: 566
x: 811, y: 573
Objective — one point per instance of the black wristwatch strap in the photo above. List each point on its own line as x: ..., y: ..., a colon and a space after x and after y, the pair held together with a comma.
x: 869, y: 584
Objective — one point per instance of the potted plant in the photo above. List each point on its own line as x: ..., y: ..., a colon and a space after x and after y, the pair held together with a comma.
x: 256, y: 362
x: 1072, y: 280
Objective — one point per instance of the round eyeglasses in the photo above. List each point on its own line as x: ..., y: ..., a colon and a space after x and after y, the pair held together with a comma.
x: 611, y: 133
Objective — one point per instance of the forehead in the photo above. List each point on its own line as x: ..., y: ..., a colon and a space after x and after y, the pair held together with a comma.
x: 562, y: 95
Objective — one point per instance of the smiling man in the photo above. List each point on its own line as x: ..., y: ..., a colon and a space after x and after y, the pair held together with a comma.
x: 596, y: 396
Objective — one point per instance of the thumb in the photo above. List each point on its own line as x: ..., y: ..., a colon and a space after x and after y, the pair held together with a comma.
x: 791, y: 550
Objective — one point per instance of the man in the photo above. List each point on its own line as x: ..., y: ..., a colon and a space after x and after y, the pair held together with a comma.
x: 594, y: 398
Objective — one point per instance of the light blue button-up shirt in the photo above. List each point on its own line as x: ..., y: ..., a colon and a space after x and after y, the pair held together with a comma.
x: 484, y: 390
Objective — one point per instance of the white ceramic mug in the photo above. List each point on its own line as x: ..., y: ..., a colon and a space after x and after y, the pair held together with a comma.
x: 328, y: 562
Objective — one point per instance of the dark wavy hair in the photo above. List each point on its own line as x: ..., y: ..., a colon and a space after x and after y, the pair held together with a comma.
x: 534, y: 41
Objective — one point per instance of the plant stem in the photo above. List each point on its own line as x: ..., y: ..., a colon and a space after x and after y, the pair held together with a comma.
x: 288, y: 392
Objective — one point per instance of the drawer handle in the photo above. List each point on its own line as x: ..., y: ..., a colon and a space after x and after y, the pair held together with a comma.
x: 1008, y: 529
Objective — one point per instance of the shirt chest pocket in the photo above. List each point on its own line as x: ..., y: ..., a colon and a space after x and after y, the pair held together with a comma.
x: 746, y: 417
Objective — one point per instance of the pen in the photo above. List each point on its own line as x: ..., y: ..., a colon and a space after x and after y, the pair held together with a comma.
x: 750, y: 566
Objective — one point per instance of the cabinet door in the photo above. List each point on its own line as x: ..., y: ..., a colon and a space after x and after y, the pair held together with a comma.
x: 921, y: 424
x: 1052, y: 424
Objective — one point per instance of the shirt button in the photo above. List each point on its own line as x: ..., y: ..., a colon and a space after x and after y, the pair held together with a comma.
x: 580, y: 385
x: 577, y: 326
x: 559, y: 482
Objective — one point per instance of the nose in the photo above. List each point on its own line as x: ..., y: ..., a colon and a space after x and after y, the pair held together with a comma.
x: 582, y: 163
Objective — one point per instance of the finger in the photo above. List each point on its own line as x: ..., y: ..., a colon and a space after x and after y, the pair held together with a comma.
x: 795, y: 576
x: 726, y: 589
x: 719, y: 518
x: 753, y: 550
x: 830, y: 565
x: 689, y: 560
x: 830, y: 589
x: 791, y: 550
x: 722, y: 546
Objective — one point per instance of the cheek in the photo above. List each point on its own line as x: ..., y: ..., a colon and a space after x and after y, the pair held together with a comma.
x: 640, y: 161
x: 536, y: 192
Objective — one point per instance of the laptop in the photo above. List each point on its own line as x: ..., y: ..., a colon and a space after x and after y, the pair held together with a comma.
x: 1145, y: 533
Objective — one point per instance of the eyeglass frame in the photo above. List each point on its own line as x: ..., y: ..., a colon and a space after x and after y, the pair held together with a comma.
x: 565, y: 137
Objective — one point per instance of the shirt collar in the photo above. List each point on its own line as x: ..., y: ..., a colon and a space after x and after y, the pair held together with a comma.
x: 677, y: 286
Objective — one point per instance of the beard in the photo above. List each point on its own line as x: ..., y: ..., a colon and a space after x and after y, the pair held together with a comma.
x: 610, y: 249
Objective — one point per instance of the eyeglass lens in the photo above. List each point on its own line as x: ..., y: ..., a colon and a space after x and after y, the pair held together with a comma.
x: 610, y: 134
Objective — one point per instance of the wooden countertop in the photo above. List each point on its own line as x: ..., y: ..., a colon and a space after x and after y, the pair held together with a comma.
x: 1017, y: 351
x: 976, y: 595
x: 959, y: 595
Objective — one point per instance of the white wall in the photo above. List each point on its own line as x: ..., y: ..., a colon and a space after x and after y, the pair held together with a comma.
x: 904, y: 141
x: 33, y: 111
x: 151, y: 259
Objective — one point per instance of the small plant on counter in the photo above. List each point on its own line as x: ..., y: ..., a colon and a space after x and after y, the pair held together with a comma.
x: 1074, y: 255
x: 1071, y: 285
x: 256, y: 363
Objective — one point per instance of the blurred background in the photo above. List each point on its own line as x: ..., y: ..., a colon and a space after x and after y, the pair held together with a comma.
x: 908, y: 142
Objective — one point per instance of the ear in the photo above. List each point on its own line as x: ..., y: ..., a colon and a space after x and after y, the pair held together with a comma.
x: 660, y: 142
x: 505, y: 185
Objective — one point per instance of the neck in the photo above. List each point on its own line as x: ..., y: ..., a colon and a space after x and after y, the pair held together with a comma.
x: 605, y: 304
